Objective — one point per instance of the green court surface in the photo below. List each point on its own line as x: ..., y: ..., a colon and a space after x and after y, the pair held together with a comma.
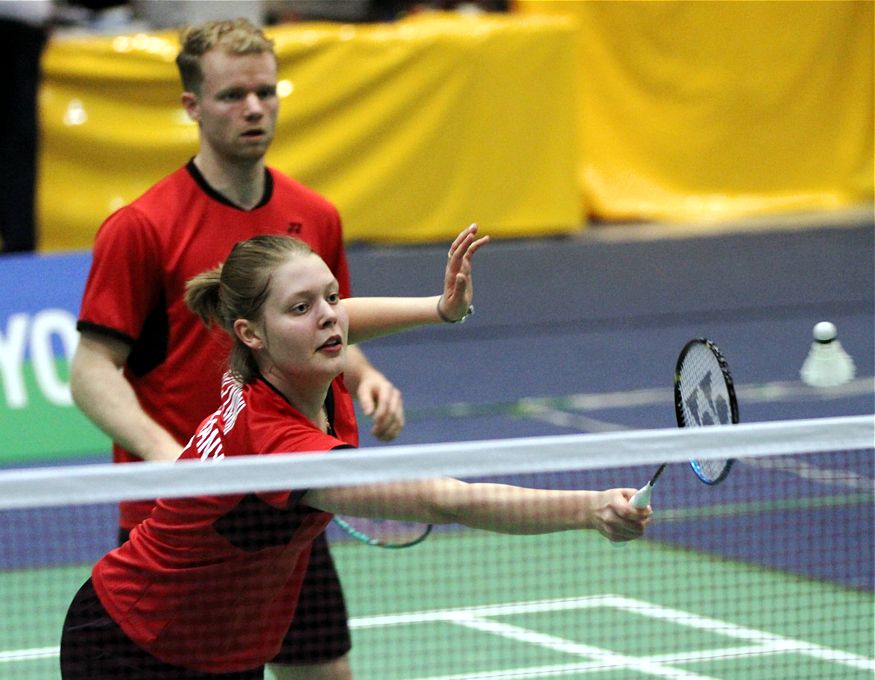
x: 467, y: 605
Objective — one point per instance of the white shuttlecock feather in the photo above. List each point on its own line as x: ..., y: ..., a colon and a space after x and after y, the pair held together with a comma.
x: 827, y: 363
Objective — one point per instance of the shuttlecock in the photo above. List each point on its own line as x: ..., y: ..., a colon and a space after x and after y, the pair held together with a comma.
x: 827, y: 363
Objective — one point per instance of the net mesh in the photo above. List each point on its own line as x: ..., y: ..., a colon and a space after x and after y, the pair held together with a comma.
x: 768, y: 575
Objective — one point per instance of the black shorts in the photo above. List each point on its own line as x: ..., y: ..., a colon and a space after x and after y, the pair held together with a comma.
x: 320, y: 630
x: 93, y: 647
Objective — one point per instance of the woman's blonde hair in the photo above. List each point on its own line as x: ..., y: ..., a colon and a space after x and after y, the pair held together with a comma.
x: 238, y: 288
x: 237, y: 36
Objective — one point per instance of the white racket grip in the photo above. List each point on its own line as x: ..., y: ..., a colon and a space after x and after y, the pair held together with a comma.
x: 641, y: 499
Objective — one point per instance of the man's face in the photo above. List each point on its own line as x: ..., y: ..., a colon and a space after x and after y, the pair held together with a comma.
x: 236, y: 108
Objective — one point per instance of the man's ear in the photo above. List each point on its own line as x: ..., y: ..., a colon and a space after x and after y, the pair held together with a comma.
x: 248, y: 333
x: 191, y: 104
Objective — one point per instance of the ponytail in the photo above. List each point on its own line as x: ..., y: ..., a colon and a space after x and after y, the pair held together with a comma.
x: 202, y: 296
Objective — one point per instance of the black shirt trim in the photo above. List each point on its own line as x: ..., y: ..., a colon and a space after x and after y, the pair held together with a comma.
x: 89, y: 327
x: 329, y: 402
x: 221, y: 198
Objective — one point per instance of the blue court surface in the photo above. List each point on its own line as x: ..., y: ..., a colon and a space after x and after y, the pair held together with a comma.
x: 588, y: 329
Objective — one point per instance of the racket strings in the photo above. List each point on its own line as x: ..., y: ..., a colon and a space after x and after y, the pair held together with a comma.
x: 705, y: 397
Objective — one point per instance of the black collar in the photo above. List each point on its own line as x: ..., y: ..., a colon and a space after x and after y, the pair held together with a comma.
x: 221, y: 198
x: 329, y: 402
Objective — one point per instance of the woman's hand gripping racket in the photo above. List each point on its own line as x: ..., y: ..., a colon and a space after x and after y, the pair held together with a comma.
x: 704, y: 394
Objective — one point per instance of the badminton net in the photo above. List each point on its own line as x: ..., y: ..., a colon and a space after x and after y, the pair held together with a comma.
x: 770, y: 574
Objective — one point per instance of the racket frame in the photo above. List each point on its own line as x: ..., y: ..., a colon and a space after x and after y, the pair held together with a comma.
x: 679, y: 402
x: 376, y: 542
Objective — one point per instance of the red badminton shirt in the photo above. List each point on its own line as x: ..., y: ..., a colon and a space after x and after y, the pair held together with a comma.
x: 211, y: 583
x: 143, y: 255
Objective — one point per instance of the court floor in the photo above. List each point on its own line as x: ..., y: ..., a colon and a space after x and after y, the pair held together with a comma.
x: 470, y: 605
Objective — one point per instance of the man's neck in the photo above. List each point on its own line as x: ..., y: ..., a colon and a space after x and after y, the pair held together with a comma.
x: 241, y: 183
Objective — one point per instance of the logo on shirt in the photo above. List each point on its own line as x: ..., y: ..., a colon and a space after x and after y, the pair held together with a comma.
x: 208, y: 439
x: 294, y: 228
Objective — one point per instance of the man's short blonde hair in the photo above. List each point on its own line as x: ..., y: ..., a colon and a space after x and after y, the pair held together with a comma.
x: 236, y: 36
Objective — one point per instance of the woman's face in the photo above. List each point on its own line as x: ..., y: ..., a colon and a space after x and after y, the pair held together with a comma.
x: 301, y: 338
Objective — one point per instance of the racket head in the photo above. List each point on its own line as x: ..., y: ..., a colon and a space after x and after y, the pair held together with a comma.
x: 704, y: 395
x: 384, y: 533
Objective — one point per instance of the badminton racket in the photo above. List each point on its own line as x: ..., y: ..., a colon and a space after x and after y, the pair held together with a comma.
x: 704, y: 394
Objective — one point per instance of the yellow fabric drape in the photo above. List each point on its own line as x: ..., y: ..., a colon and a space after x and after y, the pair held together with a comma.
x: 414, y: 129
x: 713, y: 110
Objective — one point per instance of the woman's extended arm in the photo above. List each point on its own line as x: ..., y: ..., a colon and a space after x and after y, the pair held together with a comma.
x: 494, y: 507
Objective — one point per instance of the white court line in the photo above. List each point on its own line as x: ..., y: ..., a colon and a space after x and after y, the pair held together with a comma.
x: 805, y: 470
x: 798, y: 468
x: 603, y: 658
x: 29, y: 654
x: 573, y: 421
x: 764, y: 643
x: 573, y: 407
x: 754, y: 392
x: 716, y: 626
x: 544, y: 410
x: 583, y: 402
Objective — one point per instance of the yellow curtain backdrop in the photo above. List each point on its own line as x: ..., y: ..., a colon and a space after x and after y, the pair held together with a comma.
x: 711, y: 110
x: 414, y: 129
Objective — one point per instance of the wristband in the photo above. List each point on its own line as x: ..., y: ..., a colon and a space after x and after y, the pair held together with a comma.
x: 446, y: 319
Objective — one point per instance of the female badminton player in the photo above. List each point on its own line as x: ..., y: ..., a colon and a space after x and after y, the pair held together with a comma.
x: 206, y: 587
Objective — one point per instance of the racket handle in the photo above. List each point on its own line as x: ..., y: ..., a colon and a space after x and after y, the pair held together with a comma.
x: 640, y: 500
